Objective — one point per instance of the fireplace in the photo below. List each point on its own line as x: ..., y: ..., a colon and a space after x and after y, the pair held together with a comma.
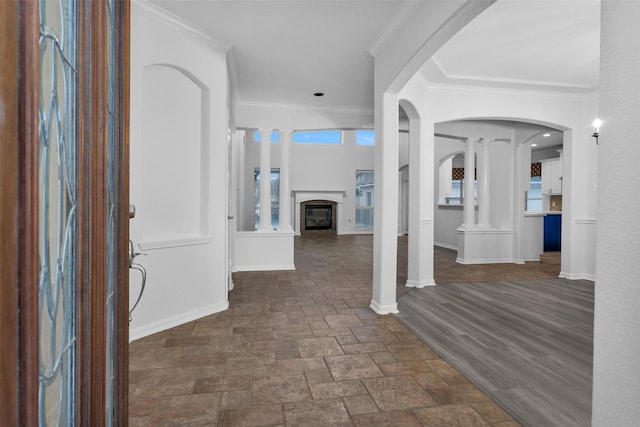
x: 318, y: 199
x: 318, y: 217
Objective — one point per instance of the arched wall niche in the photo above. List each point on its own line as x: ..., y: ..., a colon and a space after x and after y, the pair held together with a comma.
x: 175, y: 136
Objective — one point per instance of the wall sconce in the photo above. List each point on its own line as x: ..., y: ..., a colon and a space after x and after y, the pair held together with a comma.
x: 596, y: 124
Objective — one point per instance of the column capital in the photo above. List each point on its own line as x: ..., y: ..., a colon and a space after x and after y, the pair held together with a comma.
x: 265, y: 134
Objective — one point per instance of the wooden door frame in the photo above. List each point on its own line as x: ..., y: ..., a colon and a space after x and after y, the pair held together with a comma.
x: 18, y: 201
x: 19, y: 264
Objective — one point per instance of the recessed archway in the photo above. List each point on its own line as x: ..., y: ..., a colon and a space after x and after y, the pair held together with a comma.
x: 520, y: 228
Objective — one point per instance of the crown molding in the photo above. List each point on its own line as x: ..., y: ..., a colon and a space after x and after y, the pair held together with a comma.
x: 156, y: 12
x: 511, y: 89
x: 436, y: 75
x: 392, y: 27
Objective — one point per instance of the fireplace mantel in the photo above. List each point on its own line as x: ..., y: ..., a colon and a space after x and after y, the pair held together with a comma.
x: 301, y: 196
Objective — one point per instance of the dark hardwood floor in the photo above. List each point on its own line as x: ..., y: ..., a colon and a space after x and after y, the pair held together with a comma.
x: 526, y: 342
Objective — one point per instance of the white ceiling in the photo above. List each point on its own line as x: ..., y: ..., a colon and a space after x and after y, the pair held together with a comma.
x: 544, y: 44
x: 284, y: 51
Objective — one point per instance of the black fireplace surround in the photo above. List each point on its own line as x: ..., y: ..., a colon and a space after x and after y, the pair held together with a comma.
x: 318, y: 217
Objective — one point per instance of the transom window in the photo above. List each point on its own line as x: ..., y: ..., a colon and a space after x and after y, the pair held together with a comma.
x: 275, y: 136
x: 365, y: 137
x: 326, y: 137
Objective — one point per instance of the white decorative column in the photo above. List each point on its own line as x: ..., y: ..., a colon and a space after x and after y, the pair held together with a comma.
x: 484, y: 198
x: 265, y: 180
x: 468, y: 213
x: 285, y: 190
x: 421, y: 201
x: 385, y: 224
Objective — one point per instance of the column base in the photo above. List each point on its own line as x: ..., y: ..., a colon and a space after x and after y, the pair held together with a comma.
x: 484, y: 227
x: 265, y: 230
x: 384, y: 309
x: 420, y: 283
x: 464, y: 227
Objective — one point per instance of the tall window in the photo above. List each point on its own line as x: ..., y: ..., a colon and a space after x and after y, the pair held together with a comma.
x: 456, y: 194
x: 275, y: 197
x: 534, y: 195
x: 364, y: 199
x: 58, y: 229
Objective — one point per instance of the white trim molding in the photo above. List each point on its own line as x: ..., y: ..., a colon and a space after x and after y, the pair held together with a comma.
x: 156, y: 12
x: 384, y: 309
x: 272, y: 267
x: 445, y: 245
x: 164, y: 324
x: 589, y: 221
x: 396, y: 22
x: 584, y: 276
x: 165, y: 244
x: 420, y: 283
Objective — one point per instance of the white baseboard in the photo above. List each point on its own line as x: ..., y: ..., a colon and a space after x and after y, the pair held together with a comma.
x: 384, y: 309
x: 446, y: 246
x: 420, y: 283
x: 485, y: 261
x: 583, y: 276
x: 265, y: 267
x: 164, y: 324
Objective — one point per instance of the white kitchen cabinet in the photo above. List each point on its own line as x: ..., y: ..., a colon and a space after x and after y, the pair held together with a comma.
x: 552, y: 176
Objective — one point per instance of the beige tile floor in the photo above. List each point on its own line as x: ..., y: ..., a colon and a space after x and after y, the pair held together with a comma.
x: 302, y: 348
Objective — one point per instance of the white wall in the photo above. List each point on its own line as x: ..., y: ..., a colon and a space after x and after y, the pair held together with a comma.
x: 616, y: 371
x: 179, y: 99
x: 314, y: 168
x: 276, y: 116
x: 570, y: 112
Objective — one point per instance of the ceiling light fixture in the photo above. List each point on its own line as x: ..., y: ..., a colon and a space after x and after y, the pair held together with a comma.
x: 546, y: 135
x: 534, y: 145
x: 596, y: 124
x: 318, y: 94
